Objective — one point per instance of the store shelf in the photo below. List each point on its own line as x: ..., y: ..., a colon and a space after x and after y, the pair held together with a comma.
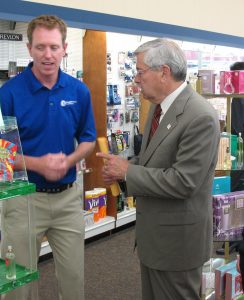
x: 223, y: 95
x: 126, y: 217
x: 23, y: 276
x: 103, y: 225
x: 211, y: 296
x: 16, y: 188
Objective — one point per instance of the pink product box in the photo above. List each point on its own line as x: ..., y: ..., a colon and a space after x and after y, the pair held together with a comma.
x: 232, y: 82
x: 228, y: 215
x: 233, y: 286
x: 220, y: 279
x: 208, y: 81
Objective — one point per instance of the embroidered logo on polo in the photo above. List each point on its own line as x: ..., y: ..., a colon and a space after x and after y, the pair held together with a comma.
x: 67, y: 102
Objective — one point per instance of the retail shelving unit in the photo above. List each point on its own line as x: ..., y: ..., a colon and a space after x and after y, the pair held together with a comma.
x: 23, y: 274
x: 13, y: 184
x: 125, y: 217
x: 103, y: 225
x: 228, y: 97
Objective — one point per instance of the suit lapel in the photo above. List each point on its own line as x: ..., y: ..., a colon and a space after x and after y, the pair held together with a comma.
x: 166, y: 126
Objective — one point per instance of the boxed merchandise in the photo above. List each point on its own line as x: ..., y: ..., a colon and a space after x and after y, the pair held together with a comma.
x: 221, y: 185
x: 224, y: 155
x: 232, y: 82
x: 208, y: 275
x: 91, y: 203
x: 228, y: 215
x: 102, y: 207
x: 88, y: 218
x: 238, y: 81
x: 225, y: 82
x: 220, y: 279
x: 233, y: 286
x: 208, y: 81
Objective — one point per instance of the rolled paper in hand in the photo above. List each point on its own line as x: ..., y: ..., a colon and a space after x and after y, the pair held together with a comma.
x: 103, y: 145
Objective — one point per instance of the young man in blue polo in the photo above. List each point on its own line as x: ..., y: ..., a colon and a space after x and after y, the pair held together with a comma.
x: 53, y: 110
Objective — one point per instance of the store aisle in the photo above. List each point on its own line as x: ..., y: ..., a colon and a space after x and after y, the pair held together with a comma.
x: 112, y: 270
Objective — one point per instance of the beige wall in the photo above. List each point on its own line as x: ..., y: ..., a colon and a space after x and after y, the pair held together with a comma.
x: 222, y: 16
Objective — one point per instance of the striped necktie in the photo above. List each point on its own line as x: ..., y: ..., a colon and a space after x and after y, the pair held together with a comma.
x: 155, y: 120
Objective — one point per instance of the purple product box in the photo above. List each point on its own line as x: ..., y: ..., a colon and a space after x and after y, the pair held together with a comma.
x: 91, y: 201
x: 102, y: 200
x: 228, y: 215
x: 208, y: 81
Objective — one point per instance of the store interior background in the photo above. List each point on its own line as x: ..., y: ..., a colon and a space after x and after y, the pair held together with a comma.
x: 199, y: 56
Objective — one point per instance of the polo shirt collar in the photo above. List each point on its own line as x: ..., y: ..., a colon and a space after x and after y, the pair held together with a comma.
x: 36, y: 85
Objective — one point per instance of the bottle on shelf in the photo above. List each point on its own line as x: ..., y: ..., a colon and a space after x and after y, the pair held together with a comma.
x: 239, y: 151
x: 10, y: 264
x: 199, y: 84
x: 192, y: 80
x: 227, y: 159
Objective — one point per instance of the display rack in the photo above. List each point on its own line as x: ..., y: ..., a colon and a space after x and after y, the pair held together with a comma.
x: 23, y: 274
x: 16, y: 188
x: 228, y: 97
x: 125, y: 217
x: 14, y: 183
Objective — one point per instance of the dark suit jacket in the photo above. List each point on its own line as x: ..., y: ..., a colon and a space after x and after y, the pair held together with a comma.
x: 172, y: 184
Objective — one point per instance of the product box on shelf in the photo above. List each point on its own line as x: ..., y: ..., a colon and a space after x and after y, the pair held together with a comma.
x: 224, y: 155
x: 102, y: 206
x: 91, y: 203
x: 208, y: 81
x: 228, y: 215
x: 232, y: 82
x: 208, y: 275
x: 221, y: 184
x: 238, y: 81
x: 220, y: 279
x: 233, y: 285
x: 96, y: 201
x: 88, y: 217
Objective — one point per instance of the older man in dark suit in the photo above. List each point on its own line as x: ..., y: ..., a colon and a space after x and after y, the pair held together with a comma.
x: 172, y: 177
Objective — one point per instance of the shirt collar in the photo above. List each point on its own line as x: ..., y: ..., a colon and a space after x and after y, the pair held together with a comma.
x: 36, y: 85
x: 167, y: 102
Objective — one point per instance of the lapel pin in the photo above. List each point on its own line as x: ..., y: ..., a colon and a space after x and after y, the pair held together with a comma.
x: 168, y: 126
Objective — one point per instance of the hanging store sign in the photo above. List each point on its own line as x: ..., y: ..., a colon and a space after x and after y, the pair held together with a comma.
x: 11, y: 37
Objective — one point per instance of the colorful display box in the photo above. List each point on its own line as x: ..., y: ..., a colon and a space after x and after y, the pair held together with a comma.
x: 13, y: 183
x: 228, y: 216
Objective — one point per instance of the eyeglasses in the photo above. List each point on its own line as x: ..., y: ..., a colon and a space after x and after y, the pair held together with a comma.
x: 141, y: 72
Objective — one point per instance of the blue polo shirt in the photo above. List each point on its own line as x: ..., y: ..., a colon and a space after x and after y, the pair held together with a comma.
x: 49, y: 121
